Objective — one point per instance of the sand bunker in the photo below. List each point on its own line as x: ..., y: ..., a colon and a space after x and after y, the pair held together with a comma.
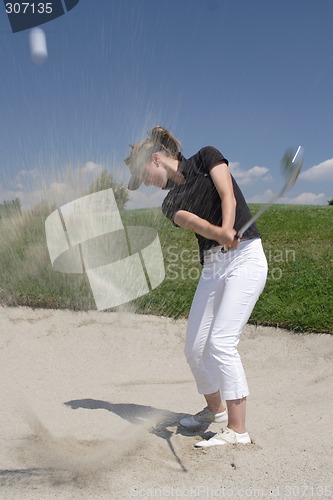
x: 91, y: 403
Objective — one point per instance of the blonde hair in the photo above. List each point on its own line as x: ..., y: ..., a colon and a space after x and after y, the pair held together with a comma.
x: 159, y: 139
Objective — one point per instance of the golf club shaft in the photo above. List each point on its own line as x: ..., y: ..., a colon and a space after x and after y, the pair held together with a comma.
x: 252, y: 220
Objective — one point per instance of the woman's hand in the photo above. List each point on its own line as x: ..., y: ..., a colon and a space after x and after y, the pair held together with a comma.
x: 226, y: 237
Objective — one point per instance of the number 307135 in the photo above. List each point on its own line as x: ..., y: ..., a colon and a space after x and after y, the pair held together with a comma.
x: 28, y: 8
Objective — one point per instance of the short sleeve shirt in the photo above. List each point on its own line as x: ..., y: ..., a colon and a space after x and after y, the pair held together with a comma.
x: 199, y: 195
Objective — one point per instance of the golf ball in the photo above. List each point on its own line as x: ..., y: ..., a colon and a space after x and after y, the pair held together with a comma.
x: 38, y: 45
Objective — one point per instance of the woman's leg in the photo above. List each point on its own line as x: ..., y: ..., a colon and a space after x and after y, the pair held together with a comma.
x: 237, y: 415
x: 224, y: 300
x: 198, y: 331
x: 214, y: 402
x: 245, y: 281
x: 233, y: 306
x: 204, y: 368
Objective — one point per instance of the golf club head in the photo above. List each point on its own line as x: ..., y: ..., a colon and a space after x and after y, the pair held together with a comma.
x: 291, y: 165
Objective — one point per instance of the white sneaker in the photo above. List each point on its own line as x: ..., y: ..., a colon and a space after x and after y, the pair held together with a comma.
x: 204, y: 416
x: 227, y: 436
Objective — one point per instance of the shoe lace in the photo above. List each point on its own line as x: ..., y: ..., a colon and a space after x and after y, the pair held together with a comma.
x: 223, y: 433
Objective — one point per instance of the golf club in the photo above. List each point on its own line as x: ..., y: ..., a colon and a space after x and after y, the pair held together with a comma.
x: 291, y: 165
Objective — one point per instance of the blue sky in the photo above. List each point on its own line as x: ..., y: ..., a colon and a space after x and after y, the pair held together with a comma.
x: 250, y: 77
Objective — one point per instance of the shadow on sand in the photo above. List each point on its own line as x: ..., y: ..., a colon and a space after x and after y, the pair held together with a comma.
x: 138, y: 415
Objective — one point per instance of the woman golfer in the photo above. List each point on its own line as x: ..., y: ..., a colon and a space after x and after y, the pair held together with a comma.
x: 204, y: 198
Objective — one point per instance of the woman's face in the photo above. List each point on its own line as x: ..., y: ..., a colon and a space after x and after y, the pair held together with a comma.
x: 155, y: 174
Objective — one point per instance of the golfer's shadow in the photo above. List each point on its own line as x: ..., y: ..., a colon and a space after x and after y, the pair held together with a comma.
x: 138, y: 415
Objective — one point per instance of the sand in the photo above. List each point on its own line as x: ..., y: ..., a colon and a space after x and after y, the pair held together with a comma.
x: 90, y: 404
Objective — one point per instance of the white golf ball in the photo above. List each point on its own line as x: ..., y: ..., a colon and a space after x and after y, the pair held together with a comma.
x: 38, y: 45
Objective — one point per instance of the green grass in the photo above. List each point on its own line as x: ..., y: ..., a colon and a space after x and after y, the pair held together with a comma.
x: 26, y: 275
x: 297, y: 241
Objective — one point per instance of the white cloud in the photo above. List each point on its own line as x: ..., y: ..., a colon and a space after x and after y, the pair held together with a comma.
x: 246, y: 177
x: 264, y: 197
x: 301, y: 199
x: 309, y: 199
x: 92, y: 168
x: 59, y: 187
x: 23, y: 178
x: 321, y: 172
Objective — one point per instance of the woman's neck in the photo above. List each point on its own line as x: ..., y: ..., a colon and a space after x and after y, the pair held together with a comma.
x: 174, y: 174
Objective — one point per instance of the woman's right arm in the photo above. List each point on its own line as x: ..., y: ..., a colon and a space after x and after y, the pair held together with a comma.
x: 192, y: 222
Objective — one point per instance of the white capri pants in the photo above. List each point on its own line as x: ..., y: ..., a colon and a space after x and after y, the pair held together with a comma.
x: 227, y: 292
